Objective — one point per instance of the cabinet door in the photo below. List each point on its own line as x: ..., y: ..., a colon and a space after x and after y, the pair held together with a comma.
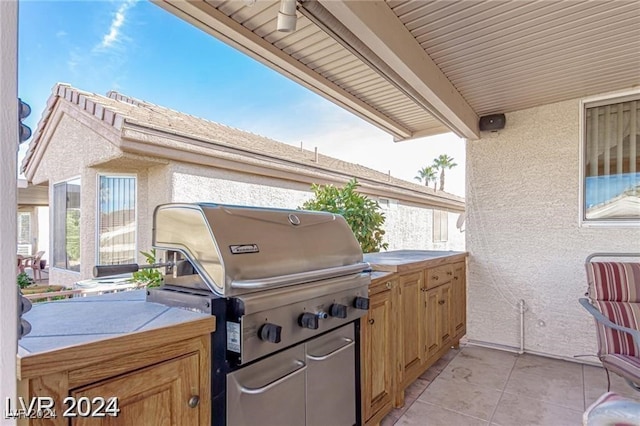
x: 459, y: 296
x: 438, y: 316
x: 158, y: 395
x: 459, y: 299
x: 445, y: 313
x: 411, y: 319
x: 432, y: 322
x: 377, y: 355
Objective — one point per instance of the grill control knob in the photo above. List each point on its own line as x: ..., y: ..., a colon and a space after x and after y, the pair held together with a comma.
x: 270, y: 333
x: 361, y: 303
x: 308, y: 320
x: 337, y: 310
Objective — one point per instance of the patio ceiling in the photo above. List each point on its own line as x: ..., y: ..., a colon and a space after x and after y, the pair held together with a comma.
x: 419, y: 68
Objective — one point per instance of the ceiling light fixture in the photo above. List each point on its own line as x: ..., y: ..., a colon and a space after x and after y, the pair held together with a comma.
x: 287, y: 16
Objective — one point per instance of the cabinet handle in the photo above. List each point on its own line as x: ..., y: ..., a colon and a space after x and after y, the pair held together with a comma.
x: 441, y: 302
x: 449, y: 273
x: 435, y: 277
x: 388, y: 284
x: 371, y: 321
x: 193, y: 401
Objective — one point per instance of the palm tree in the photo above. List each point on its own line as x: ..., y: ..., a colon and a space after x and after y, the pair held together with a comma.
x: 428, y: 174
x: 443, y: 162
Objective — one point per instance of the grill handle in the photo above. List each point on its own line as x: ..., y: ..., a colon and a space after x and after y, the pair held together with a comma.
x: 100, y: 271
x: 107, y: 270
x: 300, y: 277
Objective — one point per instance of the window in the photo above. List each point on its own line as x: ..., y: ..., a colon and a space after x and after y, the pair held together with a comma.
x: 66, y: 225
x: 440, y: 226
x: 117, y: 220
x: 611, y: 164
x: 24, y: 233
x: 388, y: 203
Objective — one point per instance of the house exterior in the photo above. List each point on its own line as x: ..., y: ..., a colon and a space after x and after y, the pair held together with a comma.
x: 33, y: 219
x: 130, y: 156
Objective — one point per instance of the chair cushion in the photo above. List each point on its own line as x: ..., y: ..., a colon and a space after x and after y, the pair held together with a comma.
x: 613, y: 341
x: 614, y: 281
x: 624, y: 365
x: 612, y: 409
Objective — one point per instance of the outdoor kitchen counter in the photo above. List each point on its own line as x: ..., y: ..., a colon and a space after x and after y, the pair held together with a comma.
x: 100, y: 326
x: 152, y: 361
x: 409, y: 260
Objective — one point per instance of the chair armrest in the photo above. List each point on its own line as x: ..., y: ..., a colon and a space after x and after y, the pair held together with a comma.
x: 608, y: 323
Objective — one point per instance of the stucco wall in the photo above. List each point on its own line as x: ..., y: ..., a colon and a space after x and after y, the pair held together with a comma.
x: 411, y: 228
x: 407, y: 227
x: 523, y: 234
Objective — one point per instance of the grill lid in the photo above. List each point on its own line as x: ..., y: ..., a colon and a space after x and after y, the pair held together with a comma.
x: 239, y: 249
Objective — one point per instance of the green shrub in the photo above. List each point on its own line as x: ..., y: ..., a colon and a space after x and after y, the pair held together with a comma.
x: 24, y: 280
x: 149, y: 277
x: 361, y: 213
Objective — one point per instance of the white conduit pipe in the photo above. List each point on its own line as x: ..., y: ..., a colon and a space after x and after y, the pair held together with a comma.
x: 287, y: 16
x: 522, y: 309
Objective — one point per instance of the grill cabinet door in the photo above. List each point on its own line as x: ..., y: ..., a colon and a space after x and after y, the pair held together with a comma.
x: 269, y: 392
x: 331, y: 379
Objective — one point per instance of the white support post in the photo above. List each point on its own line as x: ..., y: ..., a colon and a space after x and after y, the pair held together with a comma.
x: 8, y: 199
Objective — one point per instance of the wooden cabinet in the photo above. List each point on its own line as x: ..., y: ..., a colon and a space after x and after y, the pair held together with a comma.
x: 378, y: 351
x: 459, y: 300
x: 410, y: 325
x: 428, y: 317
x: 438, y: 319
x: 165, y: 393
x: 160, y: 377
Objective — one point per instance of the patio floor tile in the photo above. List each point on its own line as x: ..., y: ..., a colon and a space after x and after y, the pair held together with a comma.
x: 473, y: 372
x: 559, y: 390
x: 480, y: 386
x: 524, y: 411
x: 425, y: 414
x: 462, y: 397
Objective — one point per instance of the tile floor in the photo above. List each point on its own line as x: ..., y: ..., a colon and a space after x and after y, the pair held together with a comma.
x: 480, y: 386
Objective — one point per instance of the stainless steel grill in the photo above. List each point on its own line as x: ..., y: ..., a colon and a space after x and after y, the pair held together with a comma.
x: 288, y: 288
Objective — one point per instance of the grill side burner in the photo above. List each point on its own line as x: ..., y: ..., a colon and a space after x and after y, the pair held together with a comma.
x: 288, y: 289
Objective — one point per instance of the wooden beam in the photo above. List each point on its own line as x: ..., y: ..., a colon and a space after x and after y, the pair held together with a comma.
x: 375, y: 25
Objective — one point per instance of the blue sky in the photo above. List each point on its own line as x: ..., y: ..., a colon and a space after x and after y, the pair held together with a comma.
x: 139, y: 49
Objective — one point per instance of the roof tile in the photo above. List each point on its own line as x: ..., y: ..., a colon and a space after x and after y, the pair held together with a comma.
x: 117, y: 109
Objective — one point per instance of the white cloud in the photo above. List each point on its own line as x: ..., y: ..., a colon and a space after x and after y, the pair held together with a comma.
x: 61, y: 33
x: 113, y: 35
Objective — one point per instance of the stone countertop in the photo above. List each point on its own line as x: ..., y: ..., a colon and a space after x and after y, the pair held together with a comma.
x: 408, y: 260
x: 71, y: 323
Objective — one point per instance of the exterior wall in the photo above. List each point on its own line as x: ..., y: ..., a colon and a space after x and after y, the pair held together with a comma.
x: 411, y: 228
x: 407, y: 227
x: 88, y: 148
x: 194, y: 183
x: 523, y: 234
x: 8, y: 199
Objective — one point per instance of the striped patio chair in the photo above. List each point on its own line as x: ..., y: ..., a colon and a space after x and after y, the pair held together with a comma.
x: 614, y: 302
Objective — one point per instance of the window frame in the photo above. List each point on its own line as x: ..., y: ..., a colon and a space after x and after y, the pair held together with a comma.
x: 97, y: 211
x: 443, y: 216
x: 52, y: 217
x: 590, y: 102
